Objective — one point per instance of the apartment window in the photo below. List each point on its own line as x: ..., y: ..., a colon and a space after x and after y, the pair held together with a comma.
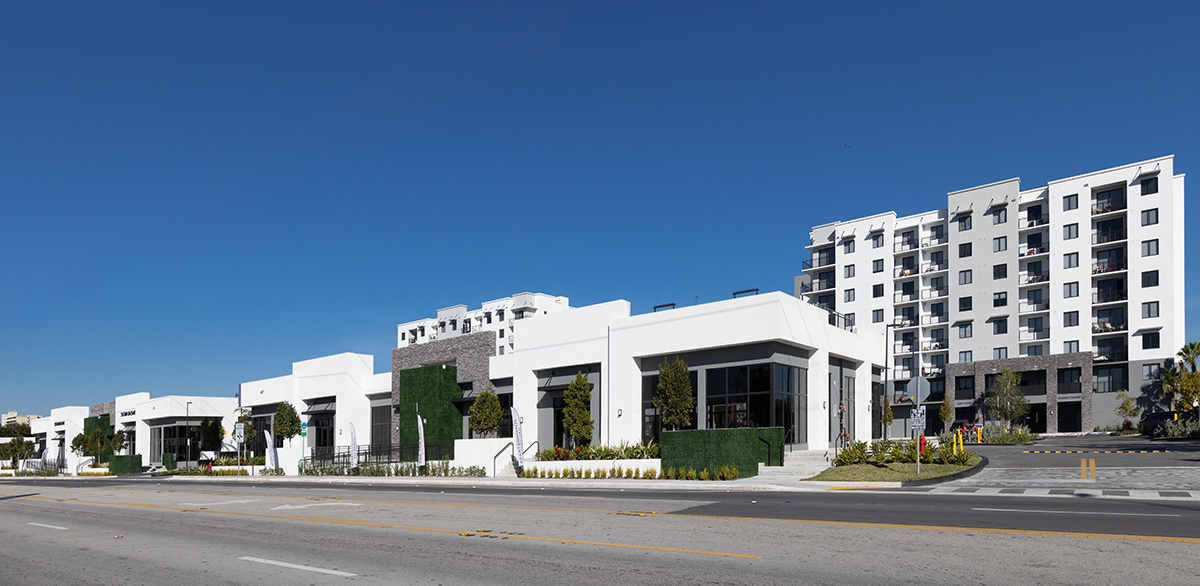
x: 1070, y: 260
x: 849, y: 295
x: 1000, y: 244
x: 1150, y: 371
x: 1150, y: 309
x: 964, y: 356
x: 501, y: 350
x: 964, y: 250
x: 1070, y: 202
x: 964, y: 277
x: 964, y: 330
x: 850, y: 319
x: 488, y: 317
x: 849, y: 271
x: 964, y: 304
x: 1000, y: 326
x: 877, y: 266
x: 454, y: 325
x: 877, y: 241
x: 1036, y: 350
x: 1070, y: 319
x: 1150, y: 217
x: 1149, y: 185
x: 999, y: 215
x: 1000, y: 271
x: 500, y: 314
x: 1150, y: 247
x: 877, y: 291
x: 1000, y: 299
x: 848, y: 246
x: 1070, y: 346
x: 442, y: 327
x: 964, y: 223
x: 877, y: 316
x: 1150, y: 279
x: 1071, y: 289
x: 1070, y: 231
x: 999, y: 353
x: 1149, y: 340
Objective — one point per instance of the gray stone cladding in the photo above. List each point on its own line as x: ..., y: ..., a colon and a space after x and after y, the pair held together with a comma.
x: 1051, y: 364
x: 109, y: 408
x: 469, y: 353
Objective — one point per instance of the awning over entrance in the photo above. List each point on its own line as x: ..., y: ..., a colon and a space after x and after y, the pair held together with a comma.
x: 321, y: 406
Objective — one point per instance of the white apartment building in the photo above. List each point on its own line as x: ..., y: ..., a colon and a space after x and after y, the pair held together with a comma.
x: 499, y: 316
x: 1079, y: 284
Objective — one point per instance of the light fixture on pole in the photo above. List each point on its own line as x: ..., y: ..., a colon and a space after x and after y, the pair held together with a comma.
x: 188, y: 415
x: 887, y: 366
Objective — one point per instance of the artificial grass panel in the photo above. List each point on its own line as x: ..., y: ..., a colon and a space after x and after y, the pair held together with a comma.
x: 712, y: 448
x: 125, y: 464
x: 432, y: 388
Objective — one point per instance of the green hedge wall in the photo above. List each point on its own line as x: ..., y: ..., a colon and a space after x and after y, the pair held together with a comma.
x: 92, y: 423
x: 712, y: 448
x: 433, y: 388
x: 125, y: 464
x: 168, y: 461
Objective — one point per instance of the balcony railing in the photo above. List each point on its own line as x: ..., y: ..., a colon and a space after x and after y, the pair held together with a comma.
x: 906, y: 297
x: 964, y: 394
x: 1110, y: 296
x: 1069, y: 388
x: 903, y: 348
x: 932, y: 371
x: 934, y: 345
x: 935, y: 240
x: 935, y: 293
x: 817, y: 263
x: 905, y: 271
x: 1108, y: 355
x: 1033, y: 306
x: 823, y: 284
x: 906, y: 244
x: 1030, y: 335
x: 1025, y: 250
x: 1030, y: 278
x: 841, y: 321
x: 805, y: 288
x: 1108, y: 327
x: 905, y: 321
x: 937, y: 318
x: 899, y: 373
x: 931, y: 267
x: 1034, y: 390
x: 1035, y: 221
x: 1107, y: 206
x: 1108, y: 267
x: 1108, y: 236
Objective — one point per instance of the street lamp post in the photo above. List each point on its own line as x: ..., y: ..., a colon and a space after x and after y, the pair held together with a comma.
x: 887, y: 366
x: 188, y: 426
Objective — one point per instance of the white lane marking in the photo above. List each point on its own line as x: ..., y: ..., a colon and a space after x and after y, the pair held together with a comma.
x: 294, y: 507
x: 221, y: 503
x: 48, y: 526
x: 1076, y: 512
x: 298, y: 567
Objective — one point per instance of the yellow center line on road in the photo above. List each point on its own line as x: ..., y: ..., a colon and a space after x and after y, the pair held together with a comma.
x: 412, y: 528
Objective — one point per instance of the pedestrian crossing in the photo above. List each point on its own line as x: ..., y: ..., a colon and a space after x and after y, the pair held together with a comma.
x: 1060, y: 492
x: 1096, y: 451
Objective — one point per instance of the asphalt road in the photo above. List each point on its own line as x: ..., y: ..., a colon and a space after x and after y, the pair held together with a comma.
x: 212, y: 532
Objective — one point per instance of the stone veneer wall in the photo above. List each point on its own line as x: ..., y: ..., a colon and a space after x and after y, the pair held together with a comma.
x: 109, y: 408
x: 1050, y: 364
x: 469, y: 353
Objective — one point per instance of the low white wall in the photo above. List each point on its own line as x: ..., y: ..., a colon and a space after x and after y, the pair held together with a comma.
x: 482, y: 452
x: 643, y: 465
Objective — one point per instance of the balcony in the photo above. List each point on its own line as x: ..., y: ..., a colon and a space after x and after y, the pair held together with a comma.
x: 934, y: 267
x: 937, y: 318
x: 904, y: 348
x: 1035, y: 221
x: 935, y: 293
x: 1113, y: 296
x: 1026, y: 306
x: 901, y: 372
x: 1034, y: 390
x: 805, y: 288
x: 932, y: 371
x: 1110, y: 354
x: 964, y: 394
x: 1108, y: 266
x: 841, y: 321
x: 1109, y: 327
x: 934, y: 345
x: 905, y: 272
x: 823, y: 284
x: 1028, y: 335
x: 1025, y: 250
x: 1031, y: 278
x: 935, y: 240
x: 818, y: 262
x: 905, y: 321
x: 906, y: 297
x: 1107, y: 206
x: 1108, y: 236
x: 1069, y: 389
x: 906, y: 244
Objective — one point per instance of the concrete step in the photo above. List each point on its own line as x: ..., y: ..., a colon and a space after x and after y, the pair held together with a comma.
x: 507, y: 471
x: 802, y: 463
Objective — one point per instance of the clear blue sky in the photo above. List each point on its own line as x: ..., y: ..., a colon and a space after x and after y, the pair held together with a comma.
x: 197, y: 195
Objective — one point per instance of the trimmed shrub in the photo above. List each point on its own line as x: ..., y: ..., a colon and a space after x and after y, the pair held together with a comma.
x: 712, y: 448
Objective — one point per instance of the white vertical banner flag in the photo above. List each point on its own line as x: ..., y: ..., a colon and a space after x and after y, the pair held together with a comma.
x: 518, y: 438
x: 272, y: 455
x: 353, y: 447
x: 420, y: 441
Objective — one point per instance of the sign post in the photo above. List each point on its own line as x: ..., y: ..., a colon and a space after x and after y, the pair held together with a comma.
x: 239, y: 435
x: 303, y: 442
x: 918, y: 426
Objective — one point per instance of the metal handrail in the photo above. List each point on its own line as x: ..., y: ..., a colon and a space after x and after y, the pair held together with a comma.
x: 764, y: 440
x: 506, y: 446
x: 535, y: 443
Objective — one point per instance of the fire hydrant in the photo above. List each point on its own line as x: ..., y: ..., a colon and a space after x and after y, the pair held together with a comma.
x: 923, y: 442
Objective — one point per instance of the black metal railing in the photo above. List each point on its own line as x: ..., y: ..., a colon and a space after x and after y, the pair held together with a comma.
x: 387, y: 454
x: 1107, y: 205
x: 1035, y: 221
x: 1110, y: 296
x: 1034, y: 390
x: 1069, y: 388
x: 1108, y: 236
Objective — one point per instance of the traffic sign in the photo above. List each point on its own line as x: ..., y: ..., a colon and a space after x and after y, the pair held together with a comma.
x: 239, y: 432
x: 918, y: 419
x: 303, y: 429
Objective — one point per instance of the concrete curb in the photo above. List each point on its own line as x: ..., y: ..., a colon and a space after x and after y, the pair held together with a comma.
x: 973, y: 470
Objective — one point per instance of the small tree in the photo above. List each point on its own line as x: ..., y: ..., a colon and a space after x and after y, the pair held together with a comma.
x: 1170, y: 383
x: 15, y: 430
x: 119, y: 441
x: 1005, y: 400
x: 1127, y: 408
x: 287, y: 421
x: 577, y: 413
x: 887, y: 416
x: 77, y: 444
x: 675, y: 400
x: 946, y: 411
x: 211, y: 434
x: 485, y: 413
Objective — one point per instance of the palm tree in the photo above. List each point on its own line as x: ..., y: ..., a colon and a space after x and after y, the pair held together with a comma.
x: 1170, y: 382
x: 1190, y: 354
